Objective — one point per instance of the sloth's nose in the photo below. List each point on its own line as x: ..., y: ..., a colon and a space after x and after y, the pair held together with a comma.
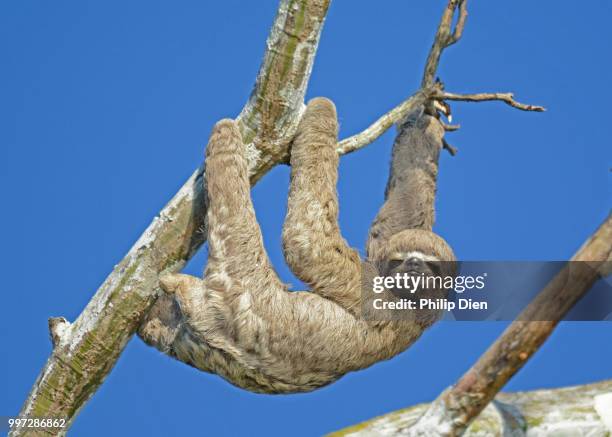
x: 414, y: 263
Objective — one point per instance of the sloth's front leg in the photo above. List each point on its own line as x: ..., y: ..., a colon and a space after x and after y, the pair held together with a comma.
x: 313, y: 245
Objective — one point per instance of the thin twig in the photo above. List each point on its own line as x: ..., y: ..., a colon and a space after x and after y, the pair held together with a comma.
x: 387, y: 120
x: 507, y: 98
x: 380, y: 126
x: 458, y: 32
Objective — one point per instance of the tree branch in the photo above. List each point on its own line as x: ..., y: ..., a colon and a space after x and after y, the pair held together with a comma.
x: 444, y: 38
x: 87, y: 350
x: 507, y: 98
x: 458, y: 32
x: 455, y: 409
x: 380, y: 126
x: 579, y: 410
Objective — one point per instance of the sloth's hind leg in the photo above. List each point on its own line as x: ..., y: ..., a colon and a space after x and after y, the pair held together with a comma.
x: 237, y: 259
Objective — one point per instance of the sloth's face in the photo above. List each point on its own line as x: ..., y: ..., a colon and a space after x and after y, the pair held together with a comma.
x: 408, y: 264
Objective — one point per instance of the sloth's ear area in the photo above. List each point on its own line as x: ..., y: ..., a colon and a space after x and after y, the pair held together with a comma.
x: 179, y: 283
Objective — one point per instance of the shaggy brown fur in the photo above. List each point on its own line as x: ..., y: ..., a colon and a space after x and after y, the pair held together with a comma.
x: 411, y: 189
x: 240, y: 321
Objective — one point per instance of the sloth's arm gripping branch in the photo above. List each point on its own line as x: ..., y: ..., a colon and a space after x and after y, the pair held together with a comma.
x: 312, y: 242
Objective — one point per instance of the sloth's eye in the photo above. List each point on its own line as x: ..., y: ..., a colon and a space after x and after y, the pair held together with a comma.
x: 435, y: 267
x: 394, y: 263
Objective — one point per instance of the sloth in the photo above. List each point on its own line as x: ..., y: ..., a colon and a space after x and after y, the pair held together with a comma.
x: 243, y: 323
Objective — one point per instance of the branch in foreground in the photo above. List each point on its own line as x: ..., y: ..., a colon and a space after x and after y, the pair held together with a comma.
x: 507, y: 98
x: 580, y: 410
x: 454, y: 410
x: 86, y: 351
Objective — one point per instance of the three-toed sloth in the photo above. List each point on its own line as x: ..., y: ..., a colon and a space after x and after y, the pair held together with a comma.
x: 242, y: 323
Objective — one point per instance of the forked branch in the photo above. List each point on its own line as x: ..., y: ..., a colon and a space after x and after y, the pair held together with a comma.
x: 380, y: 126
x: 445, y: 36
x: 460, y: 25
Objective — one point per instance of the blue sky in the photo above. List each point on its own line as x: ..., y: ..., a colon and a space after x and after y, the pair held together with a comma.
x: 105, y: 108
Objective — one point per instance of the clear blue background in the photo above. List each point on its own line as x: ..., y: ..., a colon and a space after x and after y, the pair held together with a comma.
x: 105, y: 108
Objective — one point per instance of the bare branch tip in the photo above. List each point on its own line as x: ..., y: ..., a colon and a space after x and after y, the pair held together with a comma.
x: 507, y: 98
x: 460, y: 26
